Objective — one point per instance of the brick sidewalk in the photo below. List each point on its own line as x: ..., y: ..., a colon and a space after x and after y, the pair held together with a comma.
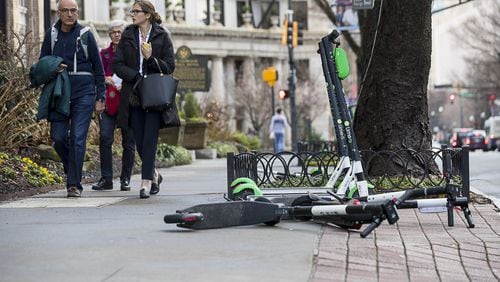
x: 419, y: 247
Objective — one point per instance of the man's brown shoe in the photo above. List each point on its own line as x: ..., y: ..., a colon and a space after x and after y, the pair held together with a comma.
x: 74, y: 192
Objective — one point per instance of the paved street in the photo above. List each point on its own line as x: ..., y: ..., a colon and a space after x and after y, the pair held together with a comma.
x: 114, y: 236
x: 484, y: 176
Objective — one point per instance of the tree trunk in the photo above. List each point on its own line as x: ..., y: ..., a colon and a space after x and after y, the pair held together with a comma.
x: 392, y: 108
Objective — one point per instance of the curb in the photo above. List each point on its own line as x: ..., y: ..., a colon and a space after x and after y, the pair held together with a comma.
x: 494, y: 200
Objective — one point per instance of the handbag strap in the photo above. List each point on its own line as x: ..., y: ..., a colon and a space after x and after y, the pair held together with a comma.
x: 146, y: 73
x: 157, y: 64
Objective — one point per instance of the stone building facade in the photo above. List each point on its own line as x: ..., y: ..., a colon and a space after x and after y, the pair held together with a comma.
x: 235, y: 45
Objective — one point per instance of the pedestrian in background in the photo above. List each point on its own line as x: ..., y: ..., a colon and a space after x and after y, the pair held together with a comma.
x: 107, y: 121
x: 142, y: 44
x: 278, y: 129
x: 81, y: 60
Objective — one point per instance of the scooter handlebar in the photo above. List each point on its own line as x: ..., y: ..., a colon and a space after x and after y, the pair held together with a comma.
x: 333, y: 35
x: 376, y: 222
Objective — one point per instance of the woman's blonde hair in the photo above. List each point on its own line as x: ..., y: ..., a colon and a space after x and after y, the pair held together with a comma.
x: 149, y: 8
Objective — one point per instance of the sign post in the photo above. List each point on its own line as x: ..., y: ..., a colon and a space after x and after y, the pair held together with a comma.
x: 270, y: 75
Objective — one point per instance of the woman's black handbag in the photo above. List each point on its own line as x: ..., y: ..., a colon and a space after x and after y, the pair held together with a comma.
x: 156, y: 90
x: 171, y: 116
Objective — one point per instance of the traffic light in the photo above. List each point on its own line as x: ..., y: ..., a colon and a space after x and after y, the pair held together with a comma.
x: 452, y: 98
x: 283, y: 94
x: 287, y: 35
x: 297, y: 34
x: 284, y: 35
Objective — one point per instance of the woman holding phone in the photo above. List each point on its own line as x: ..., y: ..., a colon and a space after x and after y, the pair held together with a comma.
x: 144, y: 47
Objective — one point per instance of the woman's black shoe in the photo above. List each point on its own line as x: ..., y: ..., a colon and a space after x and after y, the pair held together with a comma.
x: 103, y: 184
x: 155, y: 188
x: 142, y: 194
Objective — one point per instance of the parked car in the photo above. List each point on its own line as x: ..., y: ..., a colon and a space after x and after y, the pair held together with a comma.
x: 476, y: 139
x: 492, y: 128
x: 458, y: 137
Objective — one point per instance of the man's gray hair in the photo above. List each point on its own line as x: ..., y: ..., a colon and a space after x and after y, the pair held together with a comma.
x: 58, y: 4
x: 116, y: 23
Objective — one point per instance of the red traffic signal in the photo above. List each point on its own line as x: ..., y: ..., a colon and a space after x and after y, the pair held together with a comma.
x: 283, y: 94
x: 452, y: 98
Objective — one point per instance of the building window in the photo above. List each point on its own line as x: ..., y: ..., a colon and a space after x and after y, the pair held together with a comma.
x: 220, y: 5
x: 81, y: 7
x: 241, y: 8
x: 263, y: 11
x: 300, y: 12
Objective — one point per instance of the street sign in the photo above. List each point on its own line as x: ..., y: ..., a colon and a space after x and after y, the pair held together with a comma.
x: 191, y: 70
x: 362, y: 4
x: 468, y: 95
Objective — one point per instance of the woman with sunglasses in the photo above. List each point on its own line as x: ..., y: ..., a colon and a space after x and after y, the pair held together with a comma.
x: 142, y: 44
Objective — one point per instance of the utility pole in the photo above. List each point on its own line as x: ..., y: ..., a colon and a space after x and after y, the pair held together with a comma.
x: 291, y: 76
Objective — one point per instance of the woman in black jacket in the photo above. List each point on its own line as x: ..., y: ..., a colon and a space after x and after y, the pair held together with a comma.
x: 143, y: 42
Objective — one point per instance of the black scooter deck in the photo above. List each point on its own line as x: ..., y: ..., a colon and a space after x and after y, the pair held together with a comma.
x: 227, y: 214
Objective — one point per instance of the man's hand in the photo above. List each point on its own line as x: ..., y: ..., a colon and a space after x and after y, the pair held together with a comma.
x: 99, y: 106
x: 61, y: 67
x: 146, y: 50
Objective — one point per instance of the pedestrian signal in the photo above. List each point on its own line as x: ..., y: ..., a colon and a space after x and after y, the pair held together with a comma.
x: 283, y: 94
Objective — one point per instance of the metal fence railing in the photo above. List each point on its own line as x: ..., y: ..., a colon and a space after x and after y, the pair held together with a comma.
x: 384, y: 170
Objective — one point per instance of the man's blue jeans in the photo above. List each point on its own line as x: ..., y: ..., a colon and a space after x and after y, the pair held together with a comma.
x: 107, y: 126
x: 70, y: 137
x: 279, y: 142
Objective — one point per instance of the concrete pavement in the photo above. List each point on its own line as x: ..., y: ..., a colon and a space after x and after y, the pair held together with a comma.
x: 114, y: 236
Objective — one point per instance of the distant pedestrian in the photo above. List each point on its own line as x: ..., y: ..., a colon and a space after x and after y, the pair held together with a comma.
x: 78, y: 49
x: 142, y: 44
x: 278, y: 129
x: 107, y: 121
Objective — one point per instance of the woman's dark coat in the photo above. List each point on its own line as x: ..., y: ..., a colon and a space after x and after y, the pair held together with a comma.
x: 126, y: 64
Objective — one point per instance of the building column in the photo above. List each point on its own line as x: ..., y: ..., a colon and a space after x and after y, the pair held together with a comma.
x: 230, y: 84
x: 190, y: 6
x: 95, y: 11
x: 217, y: 92
x: 249, y: 77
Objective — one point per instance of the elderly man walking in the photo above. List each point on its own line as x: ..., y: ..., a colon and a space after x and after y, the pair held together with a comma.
x: 76, y: 45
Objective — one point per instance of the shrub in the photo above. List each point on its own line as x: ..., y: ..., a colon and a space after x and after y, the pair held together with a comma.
x: 15, y: 167
x: 223, y: 147
x: 18, y: 104
x: 173, y: 155
x: 250, y: 142
x: 192, y: 110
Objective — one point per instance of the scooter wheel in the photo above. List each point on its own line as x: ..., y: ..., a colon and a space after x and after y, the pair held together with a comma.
x: 173, y: 218
x: 302, y: 201
x: 243, y: 194
x: 183, y: 218
x: 266, y: 200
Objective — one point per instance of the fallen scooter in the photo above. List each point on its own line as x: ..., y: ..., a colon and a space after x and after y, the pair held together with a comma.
x: 261, y: 210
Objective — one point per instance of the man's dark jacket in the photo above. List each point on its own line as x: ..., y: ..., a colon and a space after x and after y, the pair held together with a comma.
x: 126, y: 64
x: 65, y: 47
x: 55, y: 99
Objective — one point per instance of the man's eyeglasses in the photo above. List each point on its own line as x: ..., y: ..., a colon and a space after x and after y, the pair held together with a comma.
x: 135, y: 12
x: 115, y: 32
x: 72, y: 11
